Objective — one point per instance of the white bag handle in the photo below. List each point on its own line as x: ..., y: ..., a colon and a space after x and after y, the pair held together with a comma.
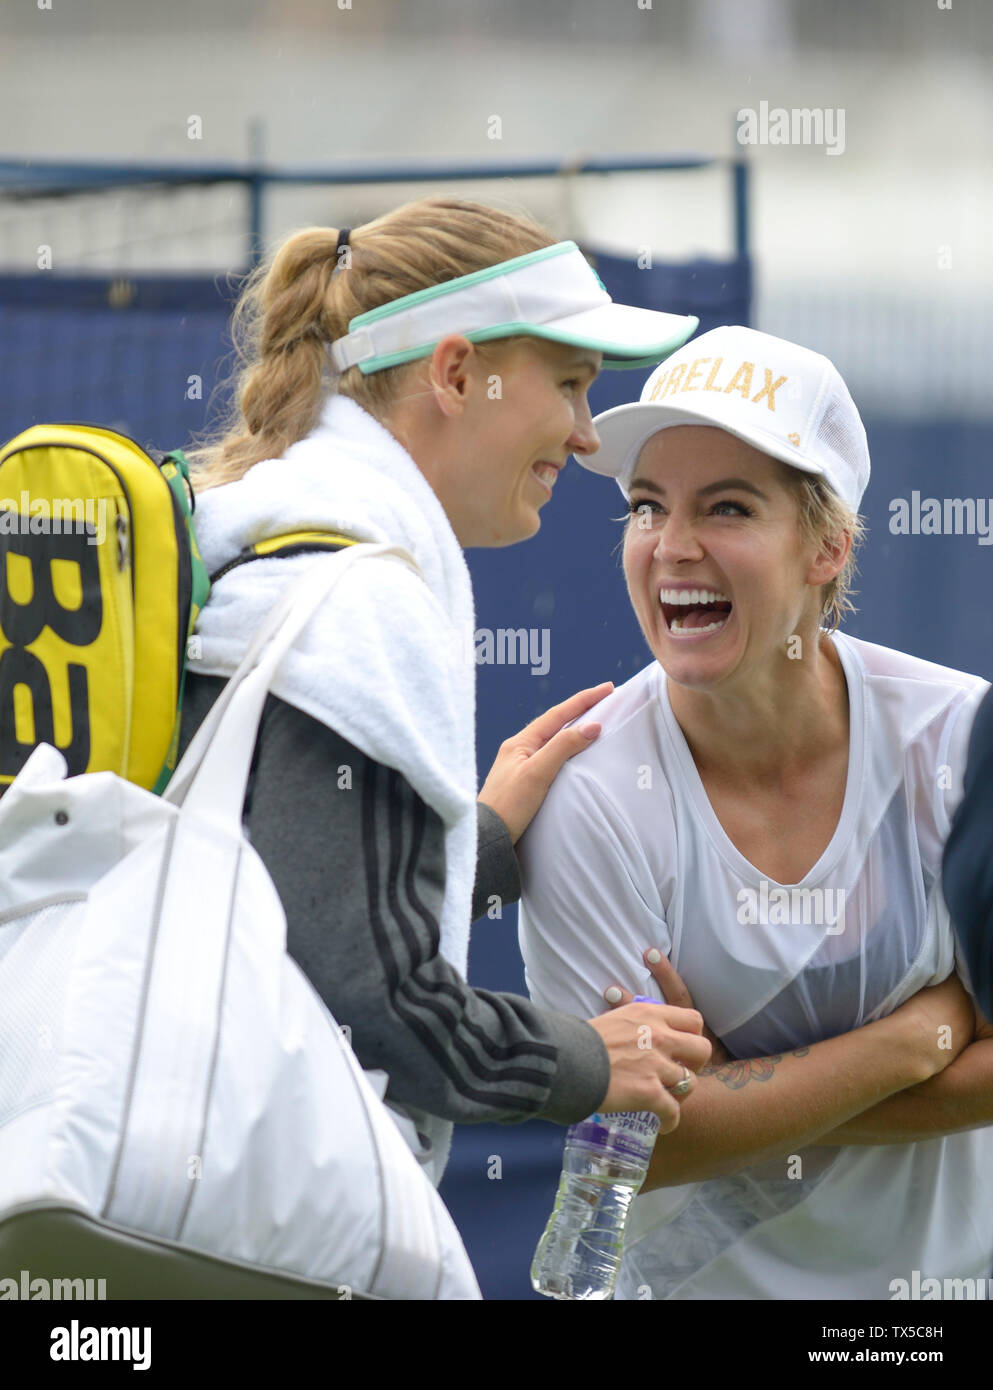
x: 169, y: 1091
x: 213, y: 772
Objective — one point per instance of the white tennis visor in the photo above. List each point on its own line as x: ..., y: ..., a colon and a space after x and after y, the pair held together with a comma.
x: 553, y: 293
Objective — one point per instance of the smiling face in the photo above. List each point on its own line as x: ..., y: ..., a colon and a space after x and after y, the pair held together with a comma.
x: 718, y: 571
x: 527, y: 413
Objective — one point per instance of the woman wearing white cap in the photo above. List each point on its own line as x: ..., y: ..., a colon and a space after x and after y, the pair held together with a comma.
x: 377, y: 403
x: 758, y: 831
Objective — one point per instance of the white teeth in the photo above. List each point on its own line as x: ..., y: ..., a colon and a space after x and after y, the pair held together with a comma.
x: 546, y: 474
x: 692, y: 596
x: 677, y: 626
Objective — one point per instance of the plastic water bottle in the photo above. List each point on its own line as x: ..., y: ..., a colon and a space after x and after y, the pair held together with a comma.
x: 605, y: 1161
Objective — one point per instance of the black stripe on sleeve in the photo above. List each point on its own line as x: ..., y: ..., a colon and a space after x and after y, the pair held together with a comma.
x: 452, y: 1021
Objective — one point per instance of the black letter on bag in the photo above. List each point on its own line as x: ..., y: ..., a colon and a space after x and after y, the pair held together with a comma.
x: 18, y: 667
x: 23, y: 622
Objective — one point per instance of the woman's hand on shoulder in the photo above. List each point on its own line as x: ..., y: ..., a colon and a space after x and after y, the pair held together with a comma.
x: 527, y: 763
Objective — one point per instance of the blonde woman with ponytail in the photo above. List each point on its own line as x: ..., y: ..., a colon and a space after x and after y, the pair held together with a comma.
x: 365, y: 409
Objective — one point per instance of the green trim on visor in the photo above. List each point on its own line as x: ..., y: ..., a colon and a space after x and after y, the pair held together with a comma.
x: 531, y: 330
x: 411, y: 301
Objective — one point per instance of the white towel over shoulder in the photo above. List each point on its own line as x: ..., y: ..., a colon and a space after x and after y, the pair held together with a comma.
x: 388, y: 662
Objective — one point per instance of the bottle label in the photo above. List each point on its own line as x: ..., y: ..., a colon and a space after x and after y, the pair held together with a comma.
x: 630, y: 1133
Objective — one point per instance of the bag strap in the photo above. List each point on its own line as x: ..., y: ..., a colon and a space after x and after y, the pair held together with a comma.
x: 281, y: 547
x: 213, y: 773
x: 188, y: 883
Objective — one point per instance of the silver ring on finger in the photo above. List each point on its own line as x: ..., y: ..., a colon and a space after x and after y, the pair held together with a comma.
x: 682, y: 1088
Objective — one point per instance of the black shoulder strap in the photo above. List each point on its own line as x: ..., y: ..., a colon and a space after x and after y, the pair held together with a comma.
x: 294, y: 543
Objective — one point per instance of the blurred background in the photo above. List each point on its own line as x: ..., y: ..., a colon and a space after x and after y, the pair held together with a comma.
x: 148, y: 151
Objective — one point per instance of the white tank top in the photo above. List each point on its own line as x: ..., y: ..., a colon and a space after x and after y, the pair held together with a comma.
x: 627, y: 853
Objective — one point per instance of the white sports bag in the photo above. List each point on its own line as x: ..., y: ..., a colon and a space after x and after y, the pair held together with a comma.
x: 177, y: 1104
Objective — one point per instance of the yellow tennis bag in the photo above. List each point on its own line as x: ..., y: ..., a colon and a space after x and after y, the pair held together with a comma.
x: 101, y: 583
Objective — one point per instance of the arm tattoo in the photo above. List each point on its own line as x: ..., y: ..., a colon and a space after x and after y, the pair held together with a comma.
x: 734, y: 1075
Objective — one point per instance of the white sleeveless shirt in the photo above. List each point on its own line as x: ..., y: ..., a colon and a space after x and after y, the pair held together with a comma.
x: 627, y: 853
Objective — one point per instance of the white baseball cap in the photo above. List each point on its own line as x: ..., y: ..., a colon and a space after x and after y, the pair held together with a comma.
x: 553, y: 293
x: 781, y: 398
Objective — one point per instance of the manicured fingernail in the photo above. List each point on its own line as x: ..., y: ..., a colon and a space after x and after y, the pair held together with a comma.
x: 653, y: 957
x: 612, y: 995
x: 590, y: 731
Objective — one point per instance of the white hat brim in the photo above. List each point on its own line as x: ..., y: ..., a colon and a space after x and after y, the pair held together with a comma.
x: 627, y: 336
x: 626, y: 429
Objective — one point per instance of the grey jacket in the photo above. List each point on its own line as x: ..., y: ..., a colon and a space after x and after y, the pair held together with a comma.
x: 358, y: 860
